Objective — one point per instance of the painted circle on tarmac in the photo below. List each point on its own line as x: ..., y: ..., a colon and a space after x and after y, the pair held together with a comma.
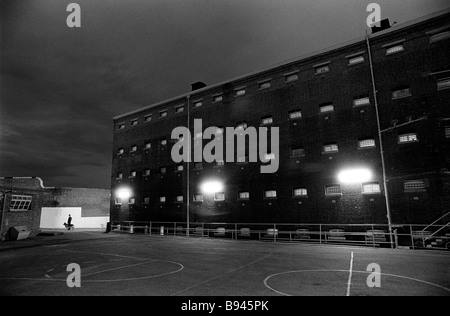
x: 335, y: 282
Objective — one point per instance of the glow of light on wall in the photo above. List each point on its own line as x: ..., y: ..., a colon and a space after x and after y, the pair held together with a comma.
x: 354, y: 176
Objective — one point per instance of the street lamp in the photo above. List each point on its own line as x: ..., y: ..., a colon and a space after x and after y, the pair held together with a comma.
x: 123, y: 193
x: 354, y: 176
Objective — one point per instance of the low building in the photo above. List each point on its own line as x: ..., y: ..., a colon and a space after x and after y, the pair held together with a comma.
x: 27, y: 202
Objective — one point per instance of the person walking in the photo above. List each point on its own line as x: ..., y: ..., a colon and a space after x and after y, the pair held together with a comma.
x: 69, y: 222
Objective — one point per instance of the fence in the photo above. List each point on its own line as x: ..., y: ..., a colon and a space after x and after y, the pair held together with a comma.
x: 372, y: 235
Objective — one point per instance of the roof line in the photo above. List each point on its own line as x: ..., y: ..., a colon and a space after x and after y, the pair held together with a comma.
x: 290, y: 61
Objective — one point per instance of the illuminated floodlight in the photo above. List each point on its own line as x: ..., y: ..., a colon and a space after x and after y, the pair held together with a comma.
x: 212, y: 187
x: 353, y: 176
x: 123, y: 193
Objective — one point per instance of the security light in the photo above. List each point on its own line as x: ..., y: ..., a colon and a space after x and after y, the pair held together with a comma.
x: 123, y: 193
x: 353, y: 176
x: 212, y: 187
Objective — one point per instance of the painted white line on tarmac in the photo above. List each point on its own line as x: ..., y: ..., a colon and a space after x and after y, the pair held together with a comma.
x: 349, y: 284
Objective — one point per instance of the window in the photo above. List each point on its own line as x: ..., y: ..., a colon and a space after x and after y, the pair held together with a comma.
x: 220, y: 130
x: 322, y: 69
x: 198, y: 197
x: 163, y: 114
x: 162, y: 199
x: 179, y: 109
x: 326, y: 108
x: 291, y: 77
x: 264, y: 85
x: 355, y: 60
x: 162, y: 170
x: 120, y: 151
x: 297, y: 152
x: 133, y: 148
x: 179, y: 168
x: 371, y: 188
x: 360, y: 101
x: 267, y: 120
x: 117, y: 201
x: 220, y: 163
x: 146, y: 172
x: 198, y: 103
x: 407, y: 138
x: 244, y: 195
x: 20, y: 203
x: 163, y: 142
x: 366, y: 143
x: 241, y: 125
x: 299, y: 192
x: 394, y: 49
x: 330, y: 148
x: 219, y: 196
x: 131, y: 200
x: 217, y: 98
x: 401, y: 93
x: 119, y: 175
x: 443, y: 84
x: 333, y: 190
x: 121, y: 126
x: 132, y: 174
x: 198, y: 166
x: 179, y: 199
x: 294, y: 115
x: 439, y: 36
x: 415, y: 185
x: 148, y: 145
x: 147, y: 118
x: 134, y: 122
x: 447, y: 132
x: 239, y: 92
x: 270, y: 194
x: 146, y: 200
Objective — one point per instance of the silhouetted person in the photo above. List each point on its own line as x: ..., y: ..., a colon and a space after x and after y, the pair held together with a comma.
x: 69, y: 221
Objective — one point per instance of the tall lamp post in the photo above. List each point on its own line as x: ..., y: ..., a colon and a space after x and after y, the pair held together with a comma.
x: 380, y: 139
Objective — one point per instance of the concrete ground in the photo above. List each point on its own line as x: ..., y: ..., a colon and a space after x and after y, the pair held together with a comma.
x: 123, y: 264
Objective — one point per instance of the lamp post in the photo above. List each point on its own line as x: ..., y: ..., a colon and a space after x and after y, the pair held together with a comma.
x: 3, y: 199
x: 380, y: 139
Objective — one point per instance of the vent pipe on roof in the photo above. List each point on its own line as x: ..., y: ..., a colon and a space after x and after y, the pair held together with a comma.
x: 198, y: 85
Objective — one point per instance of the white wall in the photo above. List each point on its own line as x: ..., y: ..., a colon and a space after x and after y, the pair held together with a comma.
x: 55, y: 217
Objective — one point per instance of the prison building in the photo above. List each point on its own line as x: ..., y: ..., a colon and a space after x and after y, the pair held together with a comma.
x: 324, y: 105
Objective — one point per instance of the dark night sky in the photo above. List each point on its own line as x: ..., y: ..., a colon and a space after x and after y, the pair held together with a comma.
x: 61, y: 87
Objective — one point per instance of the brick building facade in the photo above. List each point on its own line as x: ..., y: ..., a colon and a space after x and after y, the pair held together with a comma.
x: 24, y: 198
x: 324, y: 106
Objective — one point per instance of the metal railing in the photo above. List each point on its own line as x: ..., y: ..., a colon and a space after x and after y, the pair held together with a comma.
x: 371, y: 235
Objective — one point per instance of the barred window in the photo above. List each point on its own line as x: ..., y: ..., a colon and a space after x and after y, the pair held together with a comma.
x: 326, y: 108
x: 148, y: 145
x: 220, y: 163
x: 121, y: 126
x: 179, y: 199
x: 333, y: 190
x: 146, y: 172
x: 133, y: 148
x: 239, y: 92
x: 296, y: 114
x: 401, y: 93
x: 291, y: 77
x: 371, y: 188
x: 297, y: 152
x: 180, y: 168
x: 198, y: 103
x: 148, y: 118
x: 198, y: 197
x: 270, y: 194
x: 270, y: 156
x: 120, y: 151
x: 218, y: 98
x: 415, y: 185
x: 162, y: 199
x: 360, y: 101
x: 163, y: 142
x: 322, y: 69
x: 163, y: 114
x: 267, y: 120
x: 179, y: 109
x: 355, y: 60
x: 241, y: 125
x: 162, y: 170
x: 366, y: 143
x: 119, y: 175
x: 134, y: 122
x: 132, y: 173
x: 439, y: 36
x: 244, y: 195
x: 330, y: 148
x: 132, y: 200
x: 20, y: 203
x: 447, y: 132
x: 264, y: 85
x: 407, y: 138
x: 146, y: 200
x: 390, y: 50
x: 219, y: 196
x: 443, y: 84
x: 298, y: 192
